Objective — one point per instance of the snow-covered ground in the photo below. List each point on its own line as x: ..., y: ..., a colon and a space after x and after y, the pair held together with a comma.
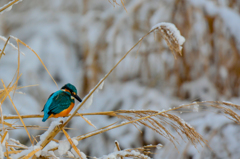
x: 81, y: 40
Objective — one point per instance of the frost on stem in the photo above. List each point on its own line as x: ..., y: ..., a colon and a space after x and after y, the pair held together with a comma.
x: 125, y: 153
x: 45, y: 134
x: 11, y: 44
x: 195, y: 107
x: 172, y: 36
x: 83, y: 156
x: 8, y: 6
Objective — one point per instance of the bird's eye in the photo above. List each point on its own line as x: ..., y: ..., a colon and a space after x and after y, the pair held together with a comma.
x: 73, y: 93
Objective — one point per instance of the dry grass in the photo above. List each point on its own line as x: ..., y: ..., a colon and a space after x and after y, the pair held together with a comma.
x: 158, y: 121
x: 115, y: 2
x: 170, y: 38
x: 137, y: 119
x: 127, y: 153
x: 118, y: 147
x: 32, y: 153
x: 12, y: 88
x: 72, y: 144
x: 10, y: 4
x: 57, y: 129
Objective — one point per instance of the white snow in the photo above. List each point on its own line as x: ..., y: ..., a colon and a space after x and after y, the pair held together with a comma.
x: 9, y: 8
x: 23, y: 153
x: 75, y: 142
x: 39, y: 152
x: 116, y: 155
x: 63, y: 147
x: 46, y: 133
x: 159, y: 146
x: 223, y: 72
x: 77, y: 156
x: 70, y: 154
x: 49, y: 146
x: 201, y: 88
x: 85, y: 44
x: 53, y: 154
x: 195, y: 107
x: 233, y: 23
x: 101, y: 85
x: 173, y: 30
x: 1, y: 151
x: 9, y: 43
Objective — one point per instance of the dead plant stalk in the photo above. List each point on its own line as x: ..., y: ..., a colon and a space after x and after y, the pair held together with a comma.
x: 57, y: 129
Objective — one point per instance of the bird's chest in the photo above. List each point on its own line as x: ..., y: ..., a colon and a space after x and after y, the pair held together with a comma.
x: 65, y: 112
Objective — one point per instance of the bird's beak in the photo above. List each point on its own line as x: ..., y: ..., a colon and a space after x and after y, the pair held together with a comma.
x: 77, y: 97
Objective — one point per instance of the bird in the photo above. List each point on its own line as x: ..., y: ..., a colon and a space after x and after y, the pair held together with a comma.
x: 61, y: 102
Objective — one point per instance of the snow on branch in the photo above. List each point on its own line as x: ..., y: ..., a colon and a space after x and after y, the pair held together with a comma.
x: 11, y: 44
x: 125, y: 153
x: 8, y: 6
x: 172, y: 36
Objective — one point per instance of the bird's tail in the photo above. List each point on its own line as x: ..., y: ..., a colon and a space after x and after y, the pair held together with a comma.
x: 45, y: 117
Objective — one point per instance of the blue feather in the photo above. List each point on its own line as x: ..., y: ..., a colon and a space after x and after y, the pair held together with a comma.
x: 56, y: 103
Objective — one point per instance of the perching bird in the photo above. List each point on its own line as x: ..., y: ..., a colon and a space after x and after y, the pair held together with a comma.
x: 60, y: 103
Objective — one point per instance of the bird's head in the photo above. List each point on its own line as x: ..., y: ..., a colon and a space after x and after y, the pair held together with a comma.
x: 71, y: 89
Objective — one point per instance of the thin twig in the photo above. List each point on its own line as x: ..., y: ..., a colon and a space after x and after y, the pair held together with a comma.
x: 2, y: 120
x: 6, y: 144
x: 118, y: 147
x: 32, y: 153
x: 72, y: 144
x: 8, y: 5
x: 18, y: 40
x: 57, y: 129
x: 2, y: 52
x: 109, y: 113
x: 3, y: 137
x: 16, y: 111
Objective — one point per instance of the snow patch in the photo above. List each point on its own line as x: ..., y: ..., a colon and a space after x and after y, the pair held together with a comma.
x: 63, y: 147
x: 173, y: 30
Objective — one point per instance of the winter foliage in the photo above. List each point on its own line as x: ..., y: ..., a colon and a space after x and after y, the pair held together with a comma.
x: 192, y: 56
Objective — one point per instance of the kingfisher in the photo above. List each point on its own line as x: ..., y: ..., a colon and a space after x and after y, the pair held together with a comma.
x: 61, y: 102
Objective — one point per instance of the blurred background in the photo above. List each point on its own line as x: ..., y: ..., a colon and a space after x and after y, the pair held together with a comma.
x: 81, y: 40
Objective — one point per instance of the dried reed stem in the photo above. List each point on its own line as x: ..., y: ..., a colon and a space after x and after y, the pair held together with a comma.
x: 11, y: 44
x: 72, y: 144
x: 2, y: 52
x: 12, y: 152
x: 18, y: 143
x: 32, y: 153
x: 81, y: 137
x: 8, y: 5
x: 57, y: 129
x: 17, y: 146
x: 18, y: 68
x: 122, y: 1
x: 2, y: 116
x: 87, y: 121
x: 16, y: 111
x: 18, y: 40
x: 184, y: 128
x: 3, y: 137
x: 3, y: 95
x: 109, y: 113
x: 118, y: 147
x: 6, y: 144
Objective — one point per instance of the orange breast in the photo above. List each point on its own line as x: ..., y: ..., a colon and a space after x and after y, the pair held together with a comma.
x: 63, y: 113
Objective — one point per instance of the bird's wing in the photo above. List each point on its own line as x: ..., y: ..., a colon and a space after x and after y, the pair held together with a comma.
x: 48, y: 99
x: 59, y: 101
